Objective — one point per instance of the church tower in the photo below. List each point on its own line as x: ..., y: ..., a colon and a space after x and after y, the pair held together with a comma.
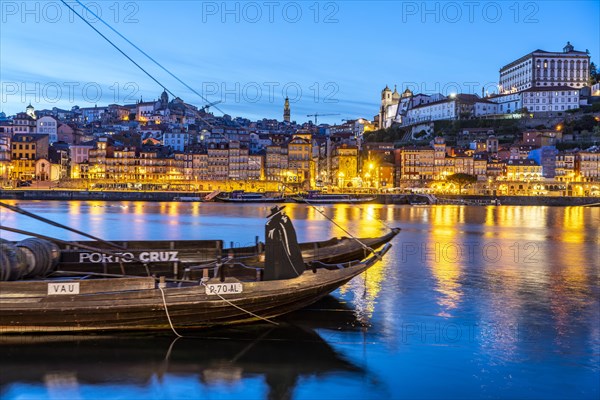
x: 286, y: 110
x: 164, y: 99
x: 30, y: 111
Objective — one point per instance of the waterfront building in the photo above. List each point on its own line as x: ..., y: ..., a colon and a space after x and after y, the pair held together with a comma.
x: 256, y: 167
x: 344, y: 166
x: 587, y: 165
x: 5, y: 156
x: 565, y: 166
x: 238, y: 161
x: 276, y: 162
x: 480, y: 166
x: 464, y: 164
x: 416, y: 163
x: 300, y: 158
x: 546, y: 157
x: 495, y: 168
x: 522, y: 170
x: 79, y: 154
x: 218, y: 161
x: 26, y: 150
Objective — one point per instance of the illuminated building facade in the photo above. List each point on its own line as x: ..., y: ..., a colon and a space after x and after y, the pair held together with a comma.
x: 546, y: 69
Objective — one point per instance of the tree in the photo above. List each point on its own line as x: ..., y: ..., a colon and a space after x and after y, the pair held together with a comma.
x: 461, y: 180
x: 594, y: 74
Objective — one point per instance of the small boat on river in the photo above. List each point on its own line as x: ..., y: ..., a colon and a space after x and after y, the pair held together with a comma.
x: 317, y: 197
x: 40, y: 293
x: 241, y: 196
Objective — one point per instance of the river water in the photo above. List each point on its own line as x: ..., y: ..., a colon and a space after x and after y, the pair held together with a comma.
x: 471, y: 302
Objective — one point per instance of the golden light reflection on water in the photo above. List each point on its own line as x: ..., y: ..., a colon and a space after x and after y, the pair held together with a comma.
x: 195, y: 209
x: 521, y: 217
x: 442, y: 253
x: 138, y: 208
x: 366, y: 288
x: 74, y: 207
x: 573, y: 222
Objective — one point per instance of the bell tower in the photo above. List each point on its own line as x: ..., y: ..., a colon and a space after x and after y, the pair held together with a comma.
x: 286, y: 110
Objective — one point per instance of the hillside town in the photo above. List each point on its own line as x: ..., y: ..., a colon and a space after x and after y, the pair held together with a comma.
x: 537, y: 134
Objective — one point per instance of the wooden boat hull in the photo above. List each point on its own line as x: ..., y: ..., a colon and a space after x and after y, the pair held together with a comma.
x: 134, y: 304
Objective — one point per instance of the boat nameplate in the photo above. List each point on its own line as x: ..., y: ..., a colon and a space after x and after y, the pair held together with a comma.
x: 63, y: 288
x: 118, y: 257
x: 224, y: 288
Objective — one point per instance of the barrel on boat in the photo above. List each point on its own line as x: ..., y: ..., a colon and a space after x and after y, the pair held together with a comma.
x: 28, y: 258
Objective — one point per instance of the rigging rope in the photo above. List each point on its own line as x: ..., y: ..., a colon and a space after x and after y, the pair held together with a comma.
x: 364, y: 246
x: 202, y: 282
x: 19, y: 210
x: 147, y: 55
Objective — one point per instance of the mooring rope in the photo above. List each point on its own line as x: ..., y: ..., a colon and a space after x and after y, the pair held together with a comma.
x: 167, y: 311
x: 202, y: 282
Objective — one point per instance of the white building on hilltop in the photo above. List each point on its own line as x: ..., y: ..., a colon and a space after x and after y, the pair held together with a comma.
x: 546, y: 69
x: 550, y: 99
x: 395, y: 106
x: 454, y: 107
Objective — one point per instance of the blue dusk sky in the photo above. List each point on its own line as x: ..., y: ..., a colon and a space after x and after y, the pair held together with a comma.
x: 328, y: 57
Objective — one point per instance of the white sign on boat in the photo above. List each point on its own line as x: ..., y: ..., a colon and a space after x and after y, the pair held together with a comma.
x: 64, y: 288
x: 224, y: 288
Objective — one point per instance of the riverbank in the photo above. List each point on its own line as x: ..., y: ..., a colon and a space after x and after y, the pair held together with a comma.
x: 36, y: 194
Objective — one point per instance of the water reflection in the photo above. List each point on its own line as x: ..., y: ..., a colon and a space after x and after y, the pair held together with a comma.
x: 254, y: 361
